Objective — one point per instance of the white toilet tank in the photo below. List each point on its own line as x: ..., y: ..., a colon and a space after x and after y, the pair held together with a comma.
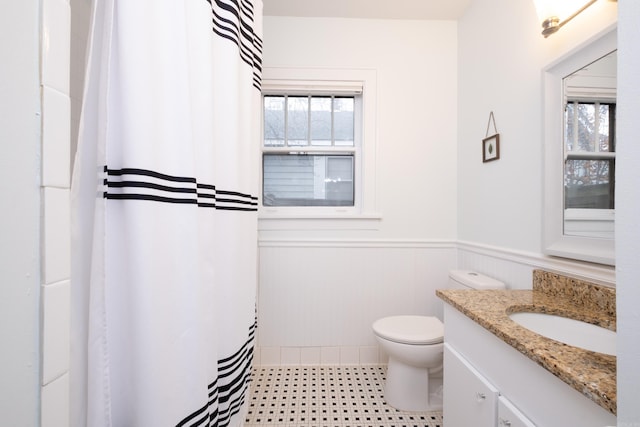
x: 466, y: 279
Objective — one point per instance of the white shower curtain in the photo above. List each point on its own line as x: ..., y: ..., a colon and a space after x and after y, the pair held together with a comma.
x: 164, y: 200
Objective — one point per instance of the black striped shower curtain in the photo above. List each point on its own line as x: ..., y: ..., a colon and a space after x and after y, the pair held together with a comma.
x: 164, y: 222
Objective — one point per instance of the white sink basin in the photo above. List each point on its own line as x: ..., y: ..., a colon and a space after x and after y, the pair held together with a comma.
x: 569, y: 331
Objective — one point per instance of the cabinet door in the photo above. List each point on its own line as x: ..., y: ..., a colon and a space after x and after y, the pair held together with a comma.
x: 469, y: 399
x: 510, y: 416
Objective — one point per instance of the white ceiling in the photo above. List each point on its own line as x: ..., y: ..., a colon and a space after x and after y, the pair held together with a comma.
x: 373, y: 9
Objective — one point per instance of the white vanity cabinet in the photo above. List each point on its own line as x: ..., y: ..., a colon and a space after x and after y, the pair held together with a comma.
x: 469, y: 399
x: 510, y: 416
x: 513, y: 388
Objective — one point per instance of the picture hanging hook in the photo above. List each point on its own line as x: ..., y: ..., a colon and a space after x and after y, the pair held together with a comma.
x: 491, y: 119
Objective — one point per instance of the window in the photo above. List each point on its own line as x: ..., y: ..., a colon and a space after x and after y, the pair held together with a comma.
x: 318, y: 149
x: 589, y: 176
x: 309, y: 150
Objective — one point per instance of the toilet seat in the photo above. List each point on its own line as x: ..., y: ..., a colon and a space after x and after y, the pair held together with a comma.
x: 416, y: 330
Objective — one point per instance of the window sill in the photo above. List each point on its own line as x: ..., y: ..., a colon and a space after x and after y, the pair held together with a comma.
x: 319, y: 221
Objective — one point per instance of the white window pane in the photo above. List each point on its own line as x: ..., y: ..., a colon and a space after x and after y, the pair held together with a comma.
x: 343, y: 118
x: 570, y: 127
x: 273, y: 121
x: 339, y: 179
x: 603, y: 133
x: 588, y: 184
x: 586, y: 127
x: 580, y: 129
x: 307, y: 180
x: 340, y: 167
x: 321, y: 121
x: 297, y: 120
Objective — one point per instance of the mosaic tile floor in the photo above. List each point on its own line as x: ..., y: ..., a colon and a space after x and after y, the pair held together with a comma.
x: 327, y: 396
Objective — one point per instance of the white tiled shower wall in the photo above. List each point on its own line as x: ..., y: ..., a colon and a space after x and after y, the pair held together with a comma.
x: 63, y: 36
x: 55, y: 185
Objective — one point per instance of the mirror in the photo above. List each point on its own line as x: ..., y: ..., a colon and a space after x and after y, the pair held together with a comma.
x: 589, y: 149
x: 579, y: 152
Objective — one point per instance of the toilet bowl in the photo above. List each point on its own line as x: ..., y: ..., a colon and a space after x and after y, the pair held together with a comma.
x: 414, y: 345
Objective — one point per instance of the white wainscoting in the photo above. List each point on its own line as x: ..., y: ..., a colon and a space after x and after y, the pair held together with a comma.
x: 515, y: 268
x: 317, y: 299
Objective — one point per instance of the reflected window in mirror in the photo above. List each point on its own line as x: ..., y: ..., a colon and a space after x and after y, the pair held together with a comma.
x: 580, y: 91
x: 589, y: 149
x: 589, y: 173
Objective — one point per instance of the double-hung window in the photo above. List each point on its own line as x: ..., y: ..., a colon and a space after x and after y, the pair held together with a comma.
x: 310, y: 149
x: 590, y: 160
x: 590, y: 155
x: 318, y: 148
x: 590, y: 150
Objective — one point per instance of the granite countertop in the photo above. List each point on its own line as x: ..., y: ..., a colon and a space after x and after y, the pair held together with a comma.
x: 592, y: 374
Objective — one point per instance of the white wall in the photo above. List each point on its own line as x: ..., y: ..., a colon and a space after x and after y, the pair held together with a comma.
x: 321, y: 290
x: 499, y: 70
x: 415, y: 64
x: 627, y: 213
x: 501, y: 55
x: 20, y: 224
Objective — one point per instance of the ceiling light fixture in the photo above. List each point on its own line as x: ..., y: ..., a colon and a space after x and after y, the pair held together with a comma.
x: 554, y: 14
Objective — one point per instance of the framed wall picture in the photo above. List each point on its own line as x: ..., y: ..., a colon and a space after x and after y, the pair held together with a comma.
x: 491, y: 148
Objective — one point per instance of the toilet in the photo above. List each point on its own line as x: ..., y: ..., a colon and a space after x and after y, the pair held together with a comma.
x: 414, y: 345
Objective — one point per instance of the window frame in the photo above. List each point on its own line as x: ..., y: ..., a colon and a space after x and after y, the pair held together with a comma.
x: 591, y: 219
x: 353, y: 151
x: 337, y: 82
x: 554, y: 241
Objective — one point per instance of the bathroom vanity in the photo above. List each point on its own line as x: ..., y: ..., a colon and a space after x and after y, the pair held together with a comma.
x: 496, y: 372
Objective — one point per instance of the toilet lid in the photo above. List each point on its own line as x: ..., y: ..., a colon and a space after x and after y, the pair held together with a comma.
x: 410, y: 329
